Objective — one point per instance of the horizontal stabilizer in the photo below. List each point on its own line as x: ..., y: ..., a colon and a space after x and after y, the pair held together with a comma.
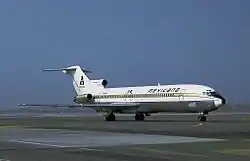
x: 68, y: 69
x: 110, y: 106
x: 49, y: 105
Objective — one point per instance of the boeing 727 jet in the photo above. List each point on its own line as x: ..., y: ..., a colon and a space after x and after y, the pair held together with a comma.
x: 140, y: 100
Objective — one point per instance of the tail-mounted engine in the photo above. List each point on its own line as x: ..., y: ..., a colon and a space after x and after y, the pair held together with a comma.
x: 100, y: 82
x: 89, y: 96
x: 83, y: 98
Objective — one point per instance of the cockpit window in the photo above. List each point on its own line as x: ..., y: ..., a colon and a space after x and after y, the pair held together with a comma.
x: 213, y: 94
x: 210, y: 93
x: 207, y: 93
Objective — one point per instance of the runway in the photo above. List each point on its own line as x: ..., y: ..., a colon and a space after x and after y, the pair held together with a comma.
x: 160, y: 137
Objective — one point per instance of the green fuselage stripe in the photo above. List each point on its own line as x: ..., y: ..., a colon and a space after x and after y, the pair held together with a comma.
x: 150, y: 95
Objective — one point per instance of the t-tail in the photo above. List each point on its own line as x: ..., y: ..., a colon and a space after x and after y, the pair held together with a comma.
x: 81, y: 81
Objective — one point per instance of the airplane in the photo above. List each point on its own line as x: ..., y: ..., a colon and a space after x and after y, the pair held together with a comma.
x: 139, y: 100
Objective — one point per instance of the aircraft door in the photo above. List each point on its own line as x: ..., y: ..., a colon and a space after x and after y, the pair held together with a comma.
x: 182, y: 94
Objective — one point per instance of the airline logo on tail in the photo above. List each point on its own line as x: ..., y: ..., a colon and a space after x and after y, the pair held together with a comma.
x: 81, y: 80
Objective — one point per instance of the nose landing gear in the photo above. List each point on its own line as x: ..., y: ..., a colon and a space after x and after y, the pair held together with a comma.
x: 202, y: 117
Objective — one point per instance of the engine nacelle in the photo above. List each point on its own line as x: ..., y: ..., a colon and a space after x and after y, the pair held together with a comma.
x: 100, y: 82
x: 83, y: 98
x: 89, y: 96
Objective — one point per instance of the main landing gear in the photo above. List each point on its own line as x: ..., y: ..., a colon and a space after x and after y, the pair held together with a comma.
x: 202, y: 117
x: 139, y: 116
x: 110, y: 116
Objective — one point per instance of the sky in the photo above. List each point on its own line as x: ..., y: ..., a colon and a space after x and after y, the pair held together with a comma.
x: 129, y: 43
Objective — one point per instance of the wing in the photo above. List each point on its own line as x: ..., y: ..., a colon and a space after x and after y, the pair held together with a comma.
x: 97, y: 106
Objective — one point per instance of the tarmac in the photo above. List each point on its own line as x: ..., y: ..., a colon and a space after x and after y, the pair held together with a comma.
x: 225, y: 136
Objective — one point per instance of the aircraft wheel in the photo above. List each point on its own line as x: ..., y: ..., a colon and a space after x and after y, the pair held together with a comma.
x: 139, y: 117
x: 110, y: 117
x: 203, y: 118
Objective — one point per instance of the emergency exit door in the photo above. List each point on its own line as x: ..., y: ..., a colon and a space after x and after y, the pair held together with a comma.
x: 182, y: 94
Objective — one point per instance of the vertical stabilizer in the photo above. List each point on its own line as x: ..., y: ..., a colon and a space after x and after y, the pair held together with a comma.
x: 81, y: 82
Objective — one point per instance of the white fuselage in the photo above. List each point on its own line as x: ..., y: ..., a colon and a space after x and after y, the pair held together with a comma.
x: 141, y: 100
x: 182, y: 98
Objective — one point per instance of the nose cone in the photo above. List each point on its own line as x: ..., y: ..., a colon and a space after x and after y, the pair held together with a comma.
x: 220, y: 102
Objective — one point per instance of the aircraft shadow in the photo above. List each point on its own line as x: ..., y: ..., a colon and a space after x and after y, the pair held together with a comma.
x: 193, y: 121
